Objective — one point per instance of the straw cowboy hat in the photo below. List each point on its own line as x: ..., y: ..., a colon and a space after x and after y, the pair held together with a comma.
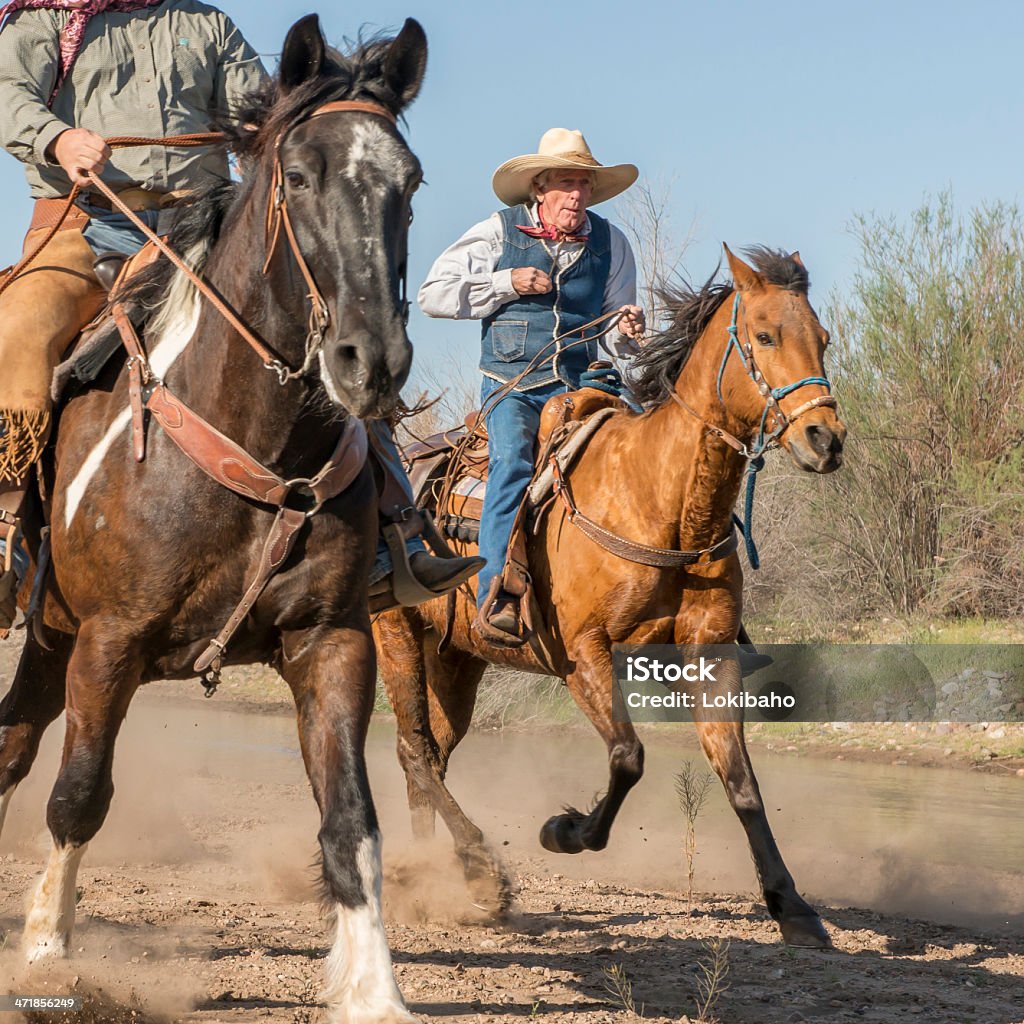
x: 559, y: 147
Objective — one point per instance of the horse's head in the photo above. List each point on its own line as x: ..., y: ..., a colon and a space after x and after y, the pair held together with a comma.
x: 771, y: 376
x: 341, y: 179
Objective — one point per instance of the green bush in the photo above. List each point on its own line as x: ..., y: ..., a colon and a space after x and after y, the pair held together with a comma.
x: 928, y: 364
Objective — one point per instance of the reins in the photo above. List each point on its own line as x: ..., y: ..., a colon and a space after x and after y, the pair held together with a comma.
x: 458, y: 455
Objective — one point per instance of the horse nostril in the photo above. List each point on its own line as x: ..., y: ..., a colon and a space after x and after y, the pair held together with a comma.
x: 347, y: 353
x: 821, y: 439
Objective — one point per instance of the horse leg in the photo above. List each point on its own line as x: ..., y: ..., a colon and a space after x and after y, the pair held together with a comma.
x: 332, y: 675
x: 726, y: 749
x: 433, y: 697
x: 34, y: 700
x: 591, y: 687
x: 101, y: 680
x: 452, y: 682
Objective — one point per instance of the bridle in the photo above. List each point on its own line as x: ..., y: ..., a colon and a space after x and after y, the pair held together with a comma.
x: 278, y: 216
x: 766, y: 439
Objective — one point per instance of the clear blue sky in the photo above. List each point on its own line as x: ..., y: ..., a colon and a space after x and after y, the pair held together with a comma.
x: 776, y: 121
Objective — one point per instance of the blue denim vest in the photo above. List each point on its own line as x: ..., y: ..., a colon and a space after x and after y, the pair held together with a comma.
x: 521, y: 328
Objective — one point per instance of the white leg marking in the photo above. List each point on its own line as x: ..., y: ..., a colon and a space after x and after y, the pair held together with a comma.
x: 51, y: 914
x: 173, y: 341
x: 360, y: 986
x: 5, y: 800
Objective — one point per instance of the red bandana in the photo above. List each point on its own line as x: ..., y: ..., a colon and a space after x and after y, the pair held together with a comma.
x: 71, y: 34
x: 549, y: 231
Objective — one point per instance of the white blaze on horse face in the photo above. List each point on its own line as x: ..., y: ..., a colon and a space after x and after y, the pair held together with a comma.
x: 51, y: 914
x: 373, y: 144
x: 360, y: 985
x: 175, y: 332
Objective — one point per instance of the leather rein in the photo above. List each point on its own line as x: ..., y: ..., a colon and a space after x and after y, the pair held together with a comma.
x: 224, y: 461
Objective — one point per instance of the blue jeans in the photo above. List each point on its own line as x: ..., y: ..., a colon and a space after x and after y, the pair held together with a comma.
x: 109, y: 231
x: 388, y: 450
x: 511, y: 440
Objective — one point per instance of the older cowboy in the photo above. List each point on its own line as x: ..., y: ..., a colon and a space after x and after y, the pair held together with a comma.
x: 72, y: 72
x: 540, y: 268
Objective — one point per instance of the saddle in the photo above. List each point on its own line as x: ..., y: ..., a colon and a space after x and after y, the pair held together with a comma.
x: 448, y: 470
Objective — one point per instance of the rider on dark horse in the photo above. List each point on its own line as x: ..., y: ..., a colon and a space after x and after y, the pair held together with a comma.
x: 532, y: 272
x: 64, y: 85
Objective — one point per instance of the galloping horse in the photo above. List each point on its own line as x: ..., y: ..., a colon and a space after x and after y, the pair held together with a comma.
x: 147, y: 554
x: 667, y: 479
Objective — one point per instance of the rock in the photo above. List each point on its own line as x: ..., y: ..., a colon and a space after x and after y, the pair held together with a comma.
x: 951, y: 688
x: 997, y: 734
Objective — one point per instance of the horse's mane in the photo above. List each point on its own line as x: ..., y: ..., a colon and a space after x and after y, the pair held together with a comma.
x: 261, y: 115
x: 688, y: 310
x: 356, y: 75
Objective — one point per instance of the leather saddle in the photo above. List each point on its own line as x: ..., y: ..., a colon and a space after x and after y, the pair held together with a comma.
x: 429, y: 461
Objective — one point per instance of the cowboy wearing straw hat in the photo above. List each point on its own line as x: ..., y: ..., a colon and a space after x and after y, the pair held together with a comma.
x: 533, y: 273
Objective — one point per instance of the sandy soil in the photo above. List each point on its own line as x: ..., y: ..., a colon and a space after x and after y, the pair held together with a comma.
x: 198, y: 900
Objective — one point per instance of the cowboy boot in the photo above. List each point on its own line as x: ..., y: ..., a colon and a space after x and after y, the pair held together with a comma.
x: 427, y: 577
x: 499, y: 619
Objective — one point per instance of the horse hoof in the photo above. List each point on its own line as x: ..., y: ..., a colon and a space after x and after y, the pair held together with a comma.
x: 561, y: 834
x: 491, y: 893
x: 806, y: 931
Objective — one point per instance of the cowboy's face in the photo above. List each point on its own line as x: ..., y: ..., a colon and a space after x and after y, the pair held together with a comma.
x: 564, y: 196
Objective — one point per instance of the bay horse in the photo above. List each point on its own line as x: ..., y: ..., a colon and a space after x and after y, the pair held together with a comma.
x: 148, y: 554
x: 668, y: 478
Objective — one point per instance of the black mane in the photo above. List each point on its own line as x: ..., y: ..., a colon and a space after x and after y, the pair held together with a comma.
x: 688, y: 310
x: 357, y: 75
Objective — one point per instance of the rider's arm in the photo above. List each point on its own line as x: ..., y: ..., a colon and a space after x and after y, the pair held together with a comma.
x: 462, y: 283
x: 29, y: 59
x: 239, y: 71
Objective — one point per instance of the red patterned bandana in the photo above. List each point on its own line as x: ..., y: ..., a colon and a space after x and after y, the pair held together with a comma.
x: 71, y: 34
x: 549, y: 231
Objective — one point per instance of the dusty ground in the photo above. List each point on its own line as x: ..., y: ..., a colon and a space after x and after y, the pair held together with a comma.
x: 197, y: 900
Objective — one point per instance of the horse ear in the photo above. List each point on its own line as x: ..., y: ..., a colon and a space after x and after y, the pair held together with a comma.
x: 745, y: 277
x: 406, y: 62
x: 302, y: 58
x: 795, y: 257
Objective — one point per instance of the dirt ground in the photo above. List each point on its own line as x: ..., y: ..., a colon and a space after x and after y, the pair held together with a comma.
x: 198, y: 901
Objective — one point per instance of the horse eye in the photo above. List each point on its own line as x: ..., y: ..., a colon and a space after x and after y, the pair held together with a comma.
x: 412, y: 215
x: 764, y: 339
x: 294, y: 179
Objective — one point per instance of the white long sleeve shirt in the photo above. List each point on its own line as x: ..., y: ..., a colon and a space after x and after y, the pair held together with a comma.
x: 464, y: 285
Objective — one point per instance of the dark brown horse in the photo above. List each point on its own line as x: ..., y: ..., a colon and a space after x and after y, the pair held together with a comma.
x: 669, y: 480
x: 150, y: 558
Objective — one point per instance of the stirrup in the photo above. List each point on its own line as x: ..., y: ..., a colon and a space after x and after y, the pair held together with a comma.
x: 9, y: 524
x: 498, y: 637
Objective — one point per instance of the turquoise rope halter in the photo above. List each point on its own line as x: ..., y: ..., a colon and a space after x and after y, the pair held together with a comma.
x: 765, y: 440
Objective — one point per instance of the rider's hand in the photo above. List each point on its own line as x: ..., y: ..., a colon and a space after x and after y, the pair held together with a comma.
x: 632, y: 324
x: 78, y: 151
x: 528, y: 281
